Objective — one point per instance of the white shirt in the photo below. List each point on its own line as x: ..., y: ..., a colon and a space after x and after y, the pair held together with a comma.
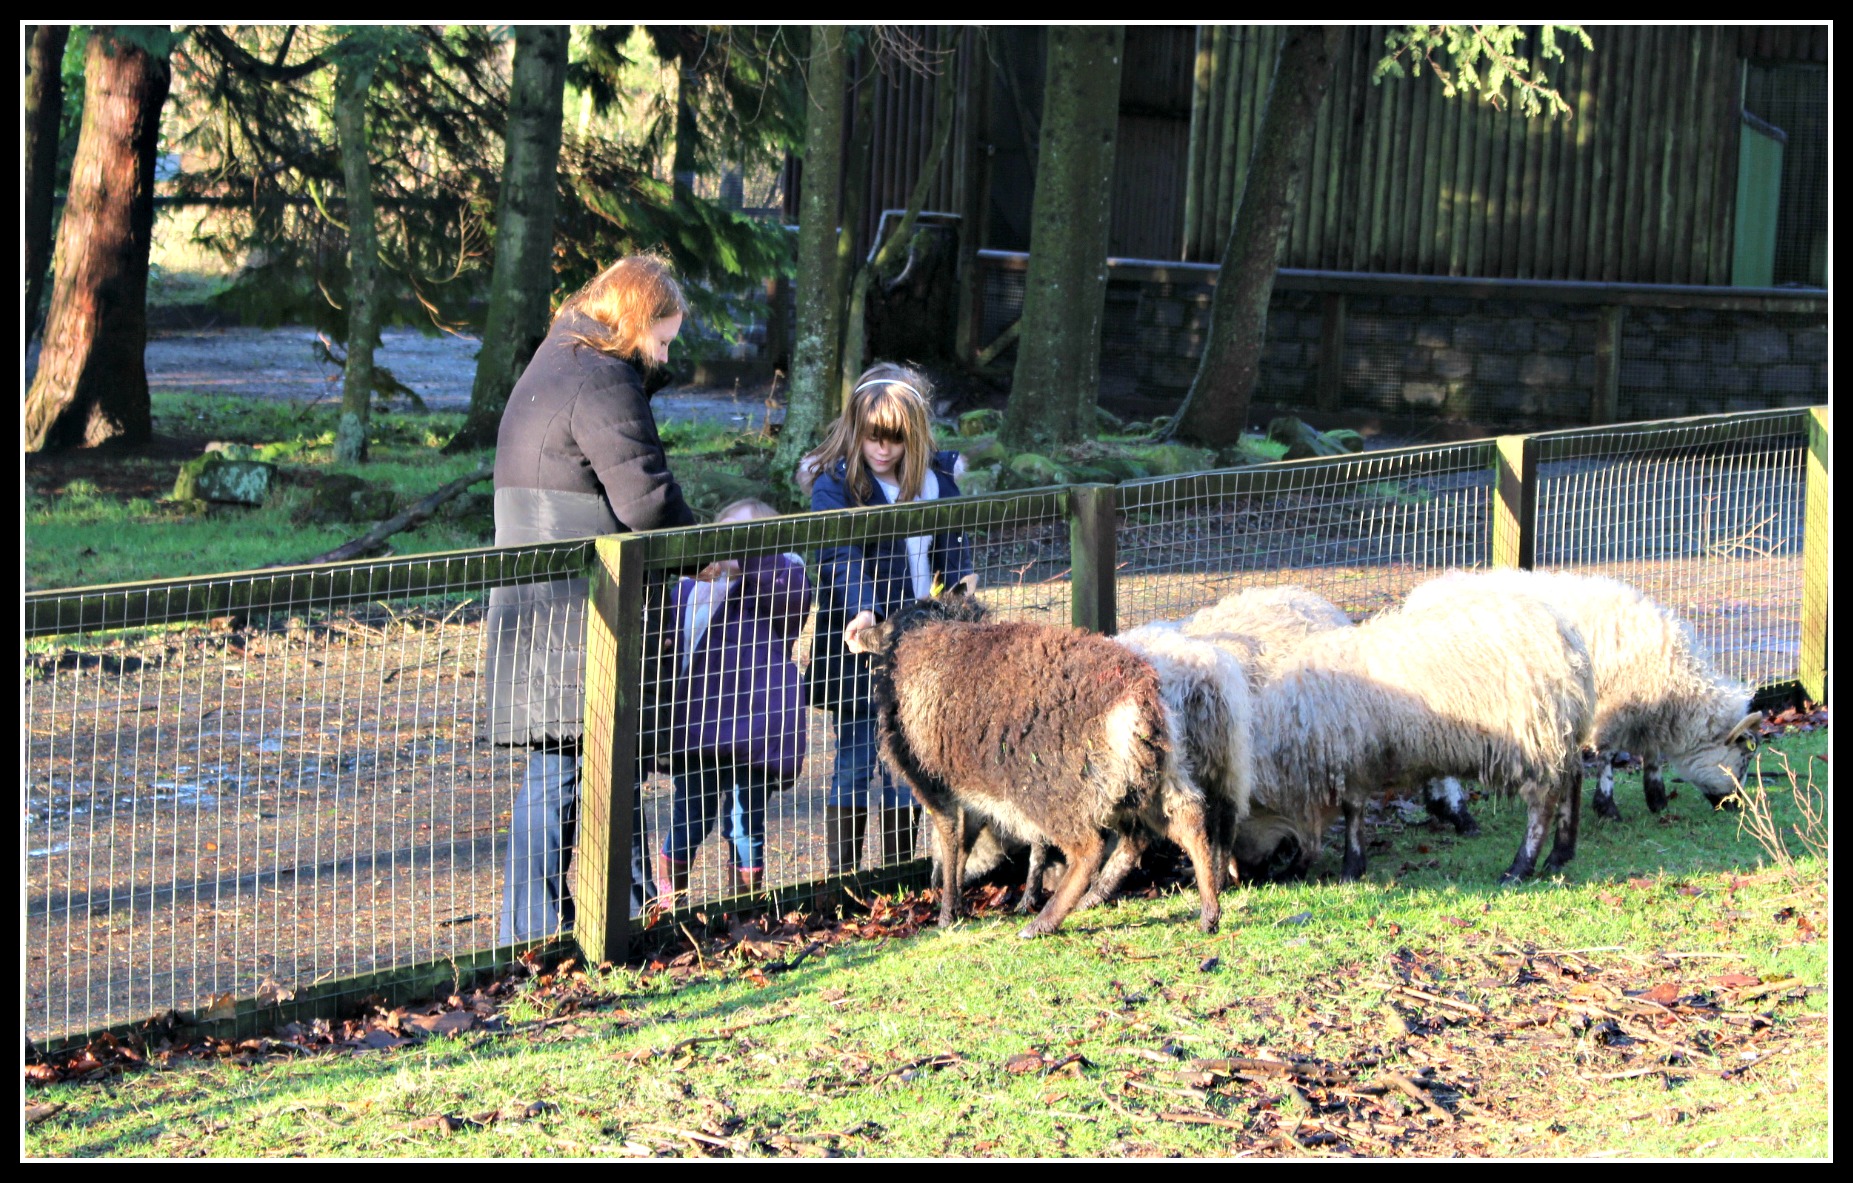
x: 920, y: 548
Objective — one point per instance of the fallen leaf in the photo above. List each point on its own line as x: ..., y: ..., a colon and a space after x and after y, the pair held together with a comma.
x: 270, y: 994
x: 1666, y: 994
x: 1733, y: 981
x: 37, y: 1113
x: 219, y: 1007
x: 1208, y: 964
x: 379, y: 1038
x: 1457, y: 922
x: 1027, y: 1062
x: 1296, y: 918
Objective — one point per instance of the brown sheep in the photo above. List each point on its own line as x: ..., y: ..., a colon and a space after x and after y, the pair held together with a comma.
x: 1040, y: 731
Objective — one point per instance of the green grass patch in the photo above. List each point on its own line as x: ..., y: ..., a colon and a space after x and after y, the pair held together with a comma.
x: 1667, y: 996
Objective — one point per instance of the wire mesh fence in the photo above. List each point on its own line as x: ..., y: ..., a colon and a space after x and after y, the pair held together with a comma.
x: 259, y: 779
x: 243, y: 787
x: 1705, y: 517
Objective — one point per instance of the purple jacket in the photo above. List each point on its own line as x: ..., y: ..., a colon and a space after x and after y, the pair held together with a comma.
x: 741, y: 696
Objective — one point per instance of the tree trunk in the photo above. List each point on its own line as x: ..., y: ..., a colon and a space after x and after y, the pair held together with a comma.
x: 352, y: 80
x: 849, y: 233
x: 1057, y: 378
x: 522, y: 283
x: 819, y: 299
x: 44, y: 113
x: 1216, y: 409
x: 91, y: 385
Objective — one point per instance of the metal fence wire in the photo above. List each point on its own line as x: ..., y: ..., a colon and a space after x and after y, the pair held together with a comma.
x: 243, y: 788
x: 1706, y: 518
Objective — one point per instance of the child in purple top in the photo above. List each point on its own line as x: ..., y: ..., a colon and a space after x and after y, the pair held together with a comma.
x: 737, y: 724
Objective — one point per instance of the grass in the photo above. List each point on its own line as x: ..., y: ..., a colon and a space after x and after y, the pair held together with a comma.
x: 114, y: 523
x: 1665, y: 997
x: 92, y: 519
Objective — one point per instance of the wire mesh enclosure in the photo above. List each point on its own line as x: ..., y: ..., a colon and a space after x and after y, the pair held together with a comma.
x: 1705, y: 517
x: 243, y: 788
x: 257, y: 785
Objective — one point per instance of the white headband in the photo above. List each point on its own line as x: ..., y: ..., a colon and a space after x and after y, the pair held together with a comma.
x: 888, y: 382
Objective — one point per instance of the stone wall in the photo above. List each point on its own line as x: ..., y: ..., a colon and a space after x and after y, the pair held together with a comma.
x: 1517, y: 362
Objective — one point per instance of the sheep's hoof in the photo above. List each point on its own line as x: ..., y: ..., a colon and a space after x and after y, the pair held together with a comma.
x: 1513, y: 878
x: 1031, y: 931
x: 1208, y: 924
x: 1605, y: 807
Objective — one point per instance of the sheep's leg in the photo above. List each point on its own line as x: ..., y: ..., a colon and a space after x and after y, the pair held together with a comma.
x: 1354, y: 842
x: 1541, y: 804
x: 949, y: 825
x: 1119, y: 864
x: 1569, y: 819
x: 1083, y: 863
x: 1188, y: 832
x: 1654, y: 785
x: 1446, y: 800
x: 1604, y: 802
x: 1032, y: 882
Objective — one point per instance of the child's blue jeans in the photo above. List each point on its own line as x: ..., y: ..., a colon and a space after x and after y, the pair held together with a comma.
x: 857, y: 762
x: 700, y: 791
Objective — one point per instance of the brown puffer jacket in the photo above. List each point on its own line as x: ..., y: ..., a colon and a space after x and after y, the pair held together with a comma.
x: 577, y: 456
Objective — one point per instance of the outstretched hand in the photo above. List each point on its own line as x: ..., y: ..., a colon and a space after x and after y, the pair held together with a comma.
x: 852, y: 632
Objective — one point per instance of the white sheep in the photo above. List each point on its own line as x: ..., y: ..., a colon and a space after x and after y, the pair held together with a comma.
x: 1261, y: 626
x: 1657, y: 694
x: 1489, y: 685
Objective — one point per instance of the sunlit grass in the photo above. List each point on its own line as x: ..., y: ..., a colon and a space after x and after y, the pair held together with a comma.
x: 904, y: 1047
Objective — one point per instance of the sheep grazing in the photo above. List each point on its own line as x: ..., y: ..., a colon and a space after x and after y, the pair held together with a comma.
x: 1657, y: 694
x: 1042, y: 732
x: 1206, y: 692
x: 1490, y: 685
x: 1261, y: 626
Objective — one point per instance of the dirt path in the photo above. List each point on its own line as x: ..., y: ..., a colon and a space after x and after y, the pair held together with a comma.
x: 284, y: 363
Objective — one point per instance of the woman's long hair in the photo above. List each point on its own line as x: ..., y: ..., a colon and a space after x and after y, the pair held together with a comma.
x: 890, y: 402
x: 627, y: 299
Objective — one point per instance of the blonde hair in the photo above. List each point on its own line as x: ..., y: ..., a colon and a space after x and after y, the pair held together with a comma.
x: 756, y: 508
x: 627, y: 299
x: 890, y: 402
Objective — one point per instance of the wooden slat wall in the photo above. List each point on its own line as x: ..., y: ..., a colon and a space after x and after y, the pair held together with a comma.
x: 905, y: 108
x: 1638, y: 187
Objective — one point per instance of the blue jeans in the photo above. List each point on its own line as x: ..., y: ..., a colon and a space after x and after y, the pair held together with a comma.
x: 857, y: 762
x: 699, y: 793
x: 537, y: 898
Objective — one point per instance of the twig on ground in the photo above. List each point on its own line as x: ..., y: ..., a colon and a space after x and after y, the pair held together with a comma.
x: 375, y: 539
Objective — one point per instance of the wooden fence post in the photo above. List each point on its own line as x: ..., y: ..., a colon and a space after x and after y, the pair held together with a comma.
x: 1605, y: 398
x: 1816, y: 517
x: 1093, y: 546
x: 1515, y: 502
x: 1331, y: 374
x: 613, y: 696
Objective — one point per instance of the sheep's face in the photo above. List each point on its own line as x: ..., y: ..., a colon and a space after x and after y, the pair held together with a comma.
x: 1717, y: 767
x: 954, y: 603
x: 1270, y: 846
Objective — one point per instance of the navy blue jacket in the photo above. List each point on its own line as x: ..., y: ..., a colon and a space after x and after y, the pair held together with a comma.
x: 874, y: 577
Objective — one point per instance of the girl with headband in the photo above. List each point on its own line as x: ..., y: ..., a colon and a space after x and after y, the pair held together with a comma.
x: 879, y: 452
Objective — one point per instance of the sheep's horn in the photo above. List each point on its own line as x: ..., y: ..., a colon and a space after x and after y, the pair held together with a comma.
x: 1744, y: 725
